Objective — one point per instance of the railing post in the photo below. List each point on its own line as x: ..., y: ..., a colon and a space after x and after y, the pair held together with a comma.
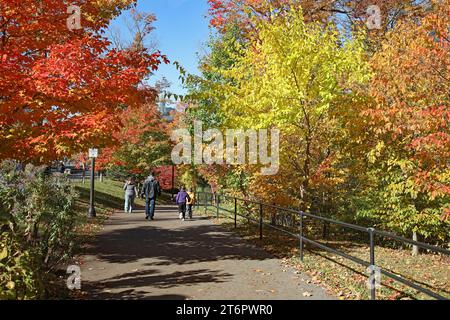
x: 260, y: 221
x: 301, y: 236
x: 372, y: 264
x: 194, y: 205
x: 235, y: 213
x: 218, y: 205
x: 197, y: 200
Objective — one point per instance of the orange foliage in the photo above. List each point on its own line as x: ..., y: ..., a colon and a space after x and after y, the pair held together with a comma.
x: 61, y: 89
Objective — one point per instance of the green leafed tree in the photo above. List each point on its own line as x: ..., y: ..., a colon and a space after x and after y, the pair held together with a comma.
x: 296, y: 77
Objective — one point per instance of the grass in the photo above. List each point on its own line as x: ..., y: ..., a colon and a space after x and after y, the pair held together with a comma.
x: 342, y: 277
x: 107, y: 200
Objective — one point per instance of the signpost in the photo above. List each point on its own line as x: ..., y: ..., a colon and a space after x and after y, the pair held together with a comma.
x: 93, y: 154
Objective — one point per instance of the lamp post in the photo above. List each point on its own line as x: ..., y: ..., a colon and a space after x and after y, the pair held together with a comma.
x: 93, y: 154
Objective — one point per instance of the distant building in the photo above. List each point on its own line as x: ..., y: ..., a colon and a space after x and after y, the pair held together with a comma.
x: 165, y: 105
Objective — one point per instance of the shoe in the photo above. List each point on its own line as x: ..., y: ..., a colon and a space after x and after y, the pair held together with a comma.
x: 181, y: 216
x: 152, y: 218
x: 183, y: 219
x: 146, y: 217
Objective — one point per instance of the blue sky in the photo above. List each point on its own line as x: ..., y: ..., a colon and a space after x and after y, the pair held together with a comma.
x: 181, y: 31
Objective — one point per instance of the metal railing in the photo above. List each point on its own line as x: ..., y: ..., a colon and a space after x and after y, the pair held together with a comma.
x: 297, y: 230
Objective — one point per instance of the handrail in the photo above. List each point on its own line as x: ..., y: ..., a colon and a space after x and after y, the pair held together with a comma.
x: 371, y: 232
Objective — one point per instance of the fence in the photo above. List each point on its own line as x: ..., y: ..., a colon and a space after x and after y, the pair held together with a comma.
x: 295, y: 227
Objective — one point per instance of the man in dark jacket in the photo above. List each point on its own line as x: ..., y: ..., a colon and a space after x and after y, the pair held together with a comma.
x: 151, y: 190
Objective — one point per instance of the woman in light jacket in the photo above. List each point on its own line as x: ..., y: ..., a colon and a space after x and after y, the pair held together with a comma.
x: 130, y: 189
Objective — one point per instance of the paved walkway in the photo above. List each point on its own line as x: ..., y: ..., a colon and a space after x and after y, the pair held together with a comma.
x: 169, y: 259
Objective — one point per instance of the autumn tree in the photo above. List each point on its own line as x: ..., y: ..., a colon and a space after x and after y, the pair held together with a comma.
x: 140, y: 145
x: 61, y: 88
x: 363, y: 112
x: 140, y: 26
x: 349, y: 13
x: 409, y: 121
x: 293, y: 80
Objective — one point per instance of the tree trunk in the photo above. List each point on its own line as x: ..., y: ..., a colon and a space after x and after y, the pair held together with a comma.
x: 325, y: 230
x: 305, y: 184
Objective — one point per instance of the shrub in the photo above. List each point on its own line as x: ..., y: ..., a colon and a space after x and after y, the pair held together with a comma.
x: 37, y: 223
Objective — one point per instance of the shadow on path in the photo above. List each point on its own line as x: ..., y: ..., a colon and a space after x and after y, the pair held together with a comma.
x: 189, y: 244
x: 133, y: 258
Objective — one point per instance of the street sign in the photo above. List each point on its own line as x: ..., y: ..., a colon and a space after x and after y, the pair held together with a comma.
x: 93, y: 153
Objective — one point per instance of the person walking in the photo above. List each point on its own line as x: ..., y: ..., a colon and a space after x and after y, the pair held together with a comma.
x: 130, y: 189
x: 150, y: 191
x: 190, y: 203
x: 181, y: 199
x: 62, y: 167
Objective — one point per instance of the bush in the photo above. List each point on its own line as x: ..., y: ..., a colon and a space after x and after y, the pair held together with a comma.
x: 37, y: 223
x: 20, y: 274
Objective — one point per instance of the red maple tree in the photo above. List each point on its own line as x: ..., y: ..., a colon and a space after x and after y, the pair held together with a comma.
x: 61, y: 89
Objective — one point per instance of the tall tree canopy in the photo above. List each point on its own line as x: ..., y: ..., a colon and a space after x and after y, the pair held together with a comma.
x: 409, y: 124
x: 350, y: 13
x: 363, y: 113
x: 60, y: 88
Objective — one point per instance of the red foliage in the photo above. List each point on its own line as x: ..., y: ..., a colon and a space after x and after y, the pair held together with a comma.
x: 410, y: 88
x: 61, y: 89
x: 164, y: 175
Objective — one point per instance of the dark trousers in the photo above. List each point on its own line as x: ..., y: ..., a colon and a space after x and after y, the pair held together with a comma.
x: 182, y: 209
x: 189, y: 210
x: 150, y: 208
